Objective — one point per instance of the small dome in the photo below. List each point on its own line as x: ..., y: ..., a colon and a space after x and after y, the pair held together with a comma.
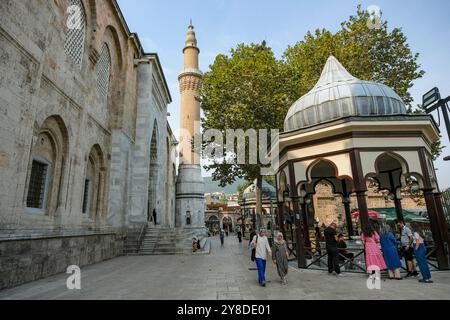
x: 338, y: 94
x: 267, y: 191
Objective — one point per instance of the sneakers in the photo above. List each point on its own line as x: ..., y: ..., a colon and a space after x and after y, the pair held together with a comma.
x: 339, y: 275
x: 425, y: 281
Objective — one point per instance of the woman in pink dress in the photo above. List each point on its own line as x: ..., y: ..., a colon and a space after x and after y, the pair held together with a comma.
x: 374, y: 257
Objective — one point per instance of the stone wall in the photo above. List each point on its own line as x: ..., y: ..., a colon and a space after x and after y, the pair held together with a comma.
x: 328, y: 207
x: 42, y: 87
x: 27, y: 260
x: 88, y: 127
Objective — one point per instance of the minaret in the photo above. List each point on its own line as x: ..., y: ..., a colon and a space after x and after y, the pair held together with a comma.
x: 190, y: 83
x: 190, y: 207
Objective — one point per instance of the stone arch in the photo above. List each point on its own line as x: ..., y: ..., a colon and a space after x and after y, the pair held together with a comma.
x: 111, y: 36
x: 93, y: 191
x: 47, y: 164
x: 227, y: 222
x: 313, y: 166
x: 386, y: 162
x: 153, y: 176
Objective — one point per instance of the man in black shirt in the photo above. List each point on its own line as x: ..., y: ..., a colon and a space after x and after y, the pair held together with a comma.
x: 332, y: 249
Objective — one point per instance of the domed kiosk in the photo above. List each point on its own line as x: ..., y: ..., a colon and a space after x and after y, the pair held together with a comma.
x: 344, y: 131
x: 269, y: 206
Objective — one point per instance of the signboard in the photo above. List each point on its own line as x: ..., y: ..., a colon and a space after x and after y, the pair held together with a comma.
x: 430, y: 97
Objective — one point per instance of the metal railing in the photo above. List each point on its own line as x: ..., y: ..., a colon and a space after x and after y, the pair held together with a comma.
x: 141, y: 235
x: 352, y: 259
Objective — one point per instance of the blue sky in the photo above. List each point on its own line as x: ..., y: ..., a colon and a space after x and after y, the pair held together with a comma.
x: 221, y: 24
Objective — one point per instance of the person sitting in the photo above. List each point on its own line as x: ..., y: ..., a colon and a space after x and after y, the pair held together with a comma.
x: 344, y: 255
x: 195, y: 245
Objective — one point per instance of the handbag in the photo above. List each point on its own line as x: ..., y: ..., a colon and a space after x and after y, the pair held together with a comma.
x: 254, y: 250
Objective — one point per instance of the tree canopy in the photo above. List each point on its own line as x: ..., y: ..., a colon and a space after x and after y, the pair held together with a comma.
x: 251, y: 88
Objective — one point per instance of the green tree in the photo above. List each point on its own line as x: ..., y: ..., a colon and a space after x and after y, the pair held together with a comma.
x: 374, y: 54
x: 243, y: 91
x: 250, y: 88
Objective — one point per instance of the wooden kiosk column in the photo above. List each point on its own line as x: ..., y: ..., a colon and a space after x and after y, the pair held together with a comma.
x: 281, y: 218
x: 301, y: 252
x: 360, y: 186
x: 443, y: 221
x: 433, y: 213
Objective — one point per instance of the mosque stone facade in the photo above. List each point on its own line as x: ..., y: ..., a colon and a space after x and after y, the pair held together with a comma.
x: 86, y: 152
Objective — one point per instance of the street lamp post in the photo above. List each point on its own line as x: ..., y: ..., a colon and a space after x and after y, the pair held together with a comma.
x: 432, y: 101
x: 272, y: 222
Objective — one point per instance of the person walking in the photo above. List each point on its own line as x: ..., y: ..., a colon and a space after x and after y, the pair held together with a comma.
x: 331, y: 242
x: 280, y: 257
x: 420, y: 253
x: 389, y: 247
x: 261, y: 245
x: 222, y: 236
x: 239, y: 235
x: 406, y: 241
x: 374, y: 257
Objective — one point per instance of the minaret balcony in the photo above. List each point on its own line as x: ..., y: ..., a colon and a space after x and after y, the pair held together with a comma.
x: 190, y: 71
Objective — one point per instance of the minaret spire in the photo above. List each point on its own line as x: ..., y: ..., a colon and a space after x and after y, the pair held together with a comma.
x: 190, y: 187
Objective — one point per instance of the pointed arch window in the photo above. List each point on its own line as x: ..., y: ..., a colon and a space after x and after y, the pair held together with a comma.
x: 76, y: 32
x: 104, y: 71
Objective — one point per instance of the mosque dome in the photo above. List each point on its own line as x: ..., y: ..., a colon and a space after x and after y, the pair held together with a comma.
x: 267, y: 191
x: 337, y: 95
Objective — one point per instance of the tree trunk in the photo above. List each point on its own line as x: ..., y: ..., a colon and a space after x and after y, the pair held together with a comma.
x: 258, y: 200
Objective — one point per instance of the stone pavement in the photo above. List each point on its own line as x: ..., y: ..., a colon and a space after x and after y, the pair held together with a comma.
x: 223, y: 274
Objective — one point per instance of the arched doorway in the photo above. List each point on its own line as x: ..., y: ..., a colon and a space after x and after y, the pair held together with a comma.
x: 227, y: 224
x: 213, y: 224
x: 153, y: 214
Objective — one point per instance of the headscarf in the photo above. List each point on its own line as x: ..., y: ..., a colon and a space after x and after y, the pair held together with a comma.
x: 386, y: 229
x: 276, y: 238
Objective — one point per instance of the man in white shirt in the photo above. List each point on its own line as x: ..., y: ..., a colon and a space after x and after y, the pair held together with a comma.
x: 261, y: 245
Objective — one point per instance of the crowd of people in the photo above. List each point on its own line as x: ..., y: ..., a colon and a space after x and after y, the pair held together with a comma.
x: 383, y: 251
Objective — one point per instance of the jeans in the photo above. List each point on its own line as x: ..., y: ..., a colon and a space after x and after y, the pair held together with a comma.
x: 333, y: 260
x: 261, y: 265
x: 421, y: 259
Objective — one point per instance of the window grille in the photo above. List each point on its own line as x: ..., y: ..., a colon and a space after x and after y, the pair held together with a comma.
x: 36, y: 188
x: 76, y: 32
x: 103, y: 71
x: 87, y: 184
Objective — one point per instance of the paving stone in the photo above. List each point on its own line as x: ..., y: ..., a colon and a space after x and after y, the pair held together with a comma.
x: 165, y: 277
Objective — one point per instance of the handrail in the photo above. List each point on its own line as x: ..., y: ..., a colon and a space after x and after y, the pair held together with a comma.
x: 141, y: 234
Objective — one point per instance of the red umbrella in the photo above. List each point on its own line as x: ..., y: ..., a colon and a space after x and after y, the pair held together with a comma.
x: 372, y: 214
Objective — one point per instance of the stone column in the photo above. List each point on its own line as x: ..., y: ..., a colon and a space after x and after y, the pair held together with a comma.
x: 140, y: 160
